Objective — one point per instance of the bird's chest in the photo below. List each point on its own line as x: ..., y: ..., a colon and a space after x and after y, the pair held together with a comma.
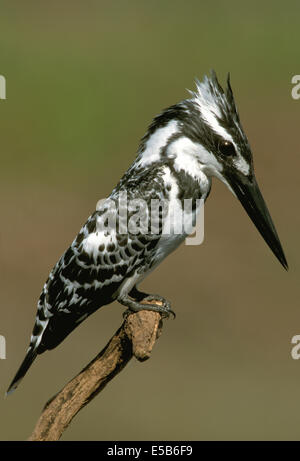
x: 178, y: 224
x: 184, y: 200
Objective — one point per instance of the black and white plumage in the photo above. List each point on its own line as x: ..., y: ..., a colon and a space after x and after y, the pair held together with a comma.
x: 185, y: 146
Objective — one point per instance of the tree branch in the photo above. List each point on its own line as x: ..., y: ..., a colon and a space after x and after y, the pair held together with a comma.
x: 136, y: 337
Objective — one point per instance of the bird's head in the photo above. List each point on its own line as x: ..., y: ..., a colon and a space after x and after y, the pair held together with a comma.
x: 203, y: 135
x: 231, y: 157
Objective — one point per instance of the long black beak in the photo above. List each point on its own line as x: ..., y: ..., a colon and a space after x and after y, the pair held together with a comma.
x: 247, y: 191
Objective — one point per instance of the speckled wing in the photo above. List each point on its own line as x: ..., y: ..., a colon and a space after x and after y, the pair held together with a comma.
x: 88, y: 276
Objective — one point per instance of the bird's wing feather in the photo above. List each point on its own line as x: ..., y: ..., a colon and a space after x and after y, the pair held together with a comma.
x: 86, y: 277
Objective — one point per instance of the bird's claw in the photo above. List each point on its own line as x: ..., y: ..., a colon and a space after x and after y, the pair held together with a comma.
x: 164, y: 308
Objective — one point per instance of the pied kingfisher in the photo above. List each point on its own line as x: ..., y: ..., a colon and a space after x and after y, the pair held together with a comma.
x: 185, y: 146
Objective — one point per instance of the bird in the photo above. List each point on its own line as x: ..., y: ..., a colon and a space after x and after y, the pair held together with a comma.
x: 185, y: 147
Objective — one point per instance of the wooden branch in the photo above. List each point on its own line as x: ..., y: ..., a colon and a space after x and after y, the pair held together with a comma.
x: 136, y: 337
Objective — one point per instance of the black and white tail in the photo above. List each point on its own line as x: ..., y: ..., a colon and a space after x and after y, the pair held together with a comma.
x: 27, y: 362
x: 32, y: 351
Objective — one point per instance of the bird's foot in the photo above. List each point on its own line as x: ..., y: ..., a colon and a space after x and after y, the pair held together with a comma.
x: 147, y: 302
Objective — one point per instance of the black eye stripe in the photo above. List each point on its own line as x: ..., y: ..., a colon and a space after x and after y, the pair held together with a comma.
x: 227, y: 149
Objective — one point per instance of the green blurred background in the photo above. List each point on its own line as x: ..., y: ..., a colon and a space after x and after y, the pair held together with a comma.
x: 84, y: 79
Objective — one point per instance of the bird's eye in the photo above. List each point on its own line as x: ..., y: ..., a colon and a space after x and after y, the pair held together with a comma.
x: 226, y: 148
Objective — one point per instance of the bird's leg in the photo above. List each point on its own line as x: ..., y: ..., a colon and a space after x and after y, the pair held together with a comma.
x: 137, y: 301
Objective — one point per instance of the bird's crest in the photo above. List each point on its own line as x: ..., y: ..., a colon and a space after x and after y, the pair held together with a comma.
x: 215, y: 104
